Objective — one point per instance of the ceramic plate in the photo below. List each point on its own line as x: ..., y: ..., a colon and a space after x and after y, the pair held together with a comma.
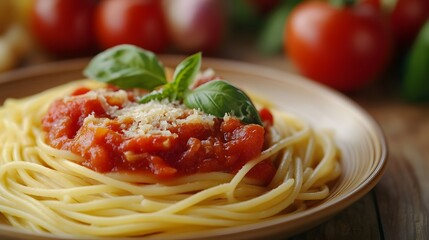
x: 358, y: 136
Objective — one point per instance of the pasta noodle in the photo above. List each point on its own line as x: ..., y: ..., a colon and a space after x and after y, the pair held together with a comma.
x: 44, y: 189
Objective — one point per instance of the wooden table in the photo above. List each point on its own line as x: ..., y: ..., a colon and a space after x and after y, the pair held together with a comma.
x: 398, y: 207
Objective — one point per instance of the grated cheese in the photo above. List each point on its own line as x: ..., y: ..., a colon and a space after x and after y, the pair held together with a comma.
x: 152, y: 118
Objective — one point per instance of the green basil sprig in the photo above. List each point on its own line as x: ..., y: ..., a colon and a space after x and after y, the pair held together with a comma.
x: 127, y: 66
x: 184, y: 76
x: 218, y: 97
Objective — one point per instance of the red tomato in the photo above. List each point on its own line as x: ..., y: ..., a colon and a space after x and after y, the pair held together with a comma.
x: 344, y: 48
x: 266, y: 116
x: 63, y: 27
x: 137, y: 22
x: 196, y: 25
x: 407, y: 18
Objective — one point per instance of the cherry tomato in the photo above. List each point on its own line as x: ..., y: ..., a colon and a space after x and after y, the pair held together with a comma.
x: 137, y: 22
x: 196, y: 25
x: 63, y: 27
x: 344, y: 48
x: 407, y: 18
x: 266, y: 116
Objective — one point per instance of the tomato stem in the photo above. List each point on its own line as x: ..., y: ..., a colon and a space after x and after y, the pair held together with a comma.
x: 342, y: 3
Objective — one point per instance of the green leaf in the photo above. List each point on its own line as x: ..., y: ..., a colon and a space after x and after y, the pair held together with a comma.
x: 154, y: 95
x: 167, y: 92
x: 218, y: 98
x: 416, y: 79
x: 184, y: 75
x: 127, y: 66
x: 271, y: 38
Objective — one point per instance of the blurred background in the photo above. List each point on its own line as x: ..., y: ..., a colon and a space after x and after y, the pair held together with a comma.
x: 351, y: 46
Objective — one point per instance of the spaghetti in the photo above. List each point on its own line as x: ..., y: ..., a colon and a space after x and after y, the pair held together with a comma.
x: 45, y: 189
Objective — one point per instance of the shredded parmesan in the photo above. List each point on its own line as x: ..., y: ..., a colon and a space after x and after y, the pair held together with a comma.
x: 152, y: 118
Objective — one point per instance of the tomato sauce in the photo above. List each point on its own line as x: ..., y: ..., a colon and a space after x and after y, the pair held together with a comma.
x: 191, y: 148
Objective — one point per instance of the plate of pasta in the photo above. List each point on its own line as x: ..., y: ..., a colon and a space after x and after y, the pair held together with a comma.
x: 133, y: 145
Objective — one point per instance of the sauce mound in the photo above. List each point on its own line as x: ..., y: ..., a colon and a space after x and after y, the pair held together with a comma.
x: 114, y: 133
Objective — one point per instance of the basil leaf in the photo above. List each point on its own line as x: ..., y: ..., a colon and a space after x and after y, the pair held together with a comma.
x: 218, y: 97
x: 154, y: 95
x: 127, y: 66
x: 166, y: 92
x: 184, y: 75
